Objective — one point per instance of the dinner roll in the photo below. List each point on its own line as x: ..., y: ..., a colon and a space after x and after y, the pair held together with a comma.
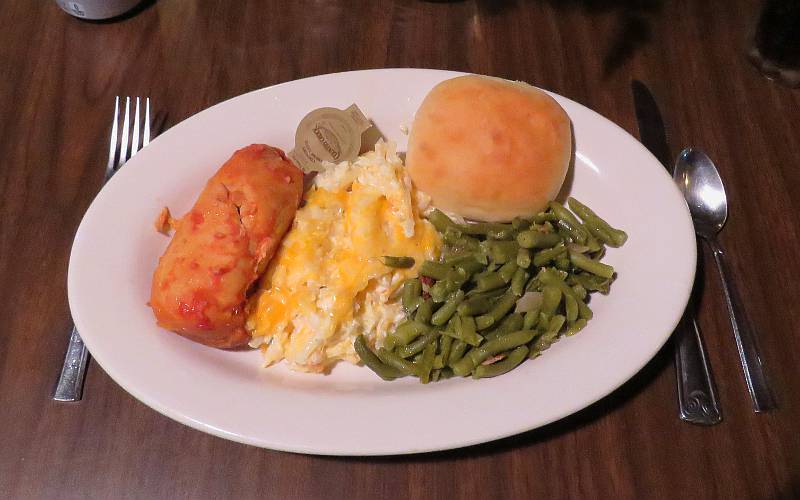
x: 489, y: 149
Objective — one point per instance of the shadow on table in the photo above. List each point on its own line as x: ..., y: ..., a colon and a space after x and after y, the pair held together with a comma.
x: 791, y: 492
x: 633, y: 24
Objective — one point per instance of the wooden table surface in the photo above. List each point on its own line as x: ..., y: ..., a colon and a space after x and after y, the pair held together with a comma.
x: 59, y: 78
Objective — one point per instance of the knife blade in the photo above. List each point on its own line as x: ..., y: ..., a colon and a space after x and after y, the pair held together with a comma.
x: 697, y: 397
x: 651, y: 125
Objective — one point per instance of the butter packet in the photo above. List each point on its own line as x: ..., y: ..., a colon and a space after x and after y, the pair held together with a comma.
x: 328, y: 135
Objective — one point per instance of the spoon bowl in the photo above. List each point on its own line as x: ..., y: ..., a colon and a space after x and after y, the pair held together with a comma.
x: 699, y: 181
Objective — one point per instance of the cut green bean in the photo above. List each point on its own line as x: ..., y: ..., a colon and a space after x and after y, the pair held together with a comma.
x: 571, y: 308
x: 591, y: 282
x: 543, y: 217
x: 503, y: 305
x: 501, y: 251
x: 412, y: 291
x: 551, y: 298
x: 562, y: 262
x: 523, y: 258
x: 474, y: 306
x: 520, y: 224
x: 537, y: 239
x: 510, y: 362
x: 457, y: 352
x: 487, y: 294
x: 464, y: 330
x: 518, y: 282
x: 510, y: 323
x: 406, y: 332
x: 417, y: 345
x: 373, y: 362
x: 484, y: 321
x: 503, y: 234
x: 435, y: 270
x: 398, y: 262
x: 451, y: 234
x: 580, y: 292
x: 598, y: 233
x: 479, y: 354
x: 542, y: 257
x: 426, y: 364
x: 447, y: 310
x: 589, y: 265
x: 424, y: 312
x: 568, y: 220
x: 461, y: 244
x: 440, y: 290
x: 455, y: 259
x: 507, y: 270
x: 618, y: 237
x: 490, y: 282
x: 441, y: 221
x: 555, y: 325
x: 592, y: 244
x: 530, y: 319
x: 457, y: 278
x: 568, y: 231
x: 584, y: 311
x: 395, y: 361
x: 469, y: 264
x: 445, y: 343
x: 574, y: 328
x: 469, y: 329
x: 551, y: 277
x: 491, y: 230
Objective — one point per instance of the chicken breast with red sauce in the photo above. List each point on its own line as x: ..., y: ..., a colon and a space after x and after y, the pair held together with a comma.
x: 223, y: 244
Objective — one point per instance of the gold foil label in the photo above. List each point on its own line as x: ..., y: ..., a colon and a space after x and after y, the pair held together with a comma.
x: 328, y: 135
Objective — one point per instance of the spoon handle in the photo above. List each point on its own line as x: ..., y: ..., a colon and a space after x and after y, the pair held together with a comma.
x: 697, y: 397
x: 752, y: 365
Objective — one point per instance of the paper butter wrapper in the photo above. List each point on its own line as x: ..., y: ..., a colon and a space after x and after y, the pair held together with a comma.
x: 329, y: 135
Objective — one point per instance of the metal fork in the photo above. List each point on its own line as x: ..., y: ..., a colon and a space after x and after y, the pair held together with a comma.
x: 70, y: 382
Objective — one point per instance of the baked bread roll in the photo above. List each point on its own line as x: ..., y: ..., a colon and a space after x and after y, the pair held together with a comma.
x: 489, y: 149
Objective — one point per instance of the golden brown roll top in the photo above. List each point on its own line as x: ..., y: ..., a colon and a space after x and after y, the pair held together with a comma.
x: 489, y: 149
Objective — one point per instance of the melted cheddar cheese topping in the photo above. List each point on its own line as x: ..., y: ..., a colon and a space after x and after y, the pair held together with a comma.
x: 327, y: 283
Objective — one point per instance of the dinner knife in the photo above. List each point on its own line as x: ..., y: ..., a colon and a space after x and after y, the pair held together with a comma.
x: 697, y: 396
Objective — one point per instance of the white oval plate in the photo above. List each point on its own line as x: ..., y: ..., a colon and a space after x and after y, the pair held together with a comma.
x: 351, y: 411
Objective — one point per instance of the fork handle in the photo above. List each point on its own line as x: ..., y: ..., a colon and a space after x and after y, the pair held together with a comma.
x: 752, y: 366
x: 70, y: 383
x: 697, y: 398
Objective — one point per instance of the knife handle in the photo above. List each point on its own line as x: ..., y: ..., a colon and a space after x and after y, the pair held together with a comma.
x: 697, y: 397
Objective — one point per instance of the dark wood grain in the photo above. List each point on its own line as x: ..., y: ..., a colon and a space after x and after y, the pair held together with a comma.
x: 59, y: 78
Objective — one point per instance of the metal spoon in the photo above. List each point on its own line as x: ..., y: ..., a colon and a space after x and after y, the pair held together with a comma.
x: 698, y: 179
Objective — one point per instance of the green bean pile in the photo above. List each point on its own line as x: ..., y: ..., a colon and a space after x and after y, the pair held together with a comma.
x: 499, y: 294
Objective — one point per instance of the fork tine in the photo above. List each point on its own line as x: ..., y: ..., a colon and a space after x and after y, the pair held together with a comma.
x: 123, y: 155
x: 112, y: 150
x: 135, y: 143
x: 146, y: 139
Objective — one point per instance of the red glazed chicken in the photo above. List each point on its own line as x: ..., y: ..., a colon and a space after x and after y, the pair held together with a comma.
x: 222, y: 245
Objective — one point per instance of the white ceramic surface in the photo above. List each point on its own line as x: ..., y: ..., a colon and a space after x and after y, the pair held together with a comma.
x: 351, y: 411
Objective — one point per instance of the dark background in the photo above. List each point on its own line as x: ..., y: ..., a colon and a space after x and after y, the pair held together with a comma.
x: 59, y: 78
